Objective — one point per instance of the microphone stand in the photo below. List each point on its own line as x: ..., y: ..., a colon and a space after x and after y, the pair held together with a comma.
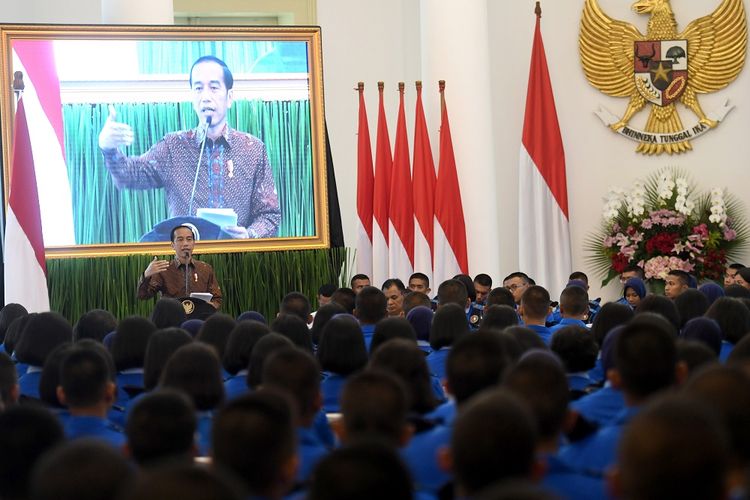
x: 198, y: 168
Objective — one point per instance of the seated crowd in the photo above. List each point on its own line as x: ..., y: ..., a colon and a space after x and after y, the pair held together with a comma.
x: 479, y: 392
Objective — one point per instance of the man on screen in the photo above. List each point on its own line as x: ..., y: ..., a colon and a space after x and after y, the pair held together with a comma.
x: 234, y: 172
x: 182, y: 275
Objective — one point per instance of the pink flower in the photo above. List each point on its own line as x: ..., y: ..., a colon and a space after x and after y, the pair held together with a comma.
x: 729, y: 234
x: 647, y: 224
x: 609, y: 241
x: 701, y: 230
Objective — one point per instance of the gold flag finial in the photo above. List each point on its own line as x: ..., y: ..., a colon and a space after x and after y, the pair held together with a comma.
x: 538, y: 9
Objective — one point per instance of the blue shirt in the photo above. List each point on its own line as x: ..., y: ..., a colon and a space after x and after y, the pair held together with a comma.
x: 28, y: 383
x: 331, y: 387
x: 567, y: 322
x: 444, y: 414
x: 600, y: 407
x: 92, y: 427
x: 205, y: 422
x: 367, y: 332
x: 421, y: 456
x: 132, y: 378
x: 726, y: 350
x: 236, y: 385
x: 542, y: 331
x: 436, y: 362
x: 310, y: 451
x: 569, y: 484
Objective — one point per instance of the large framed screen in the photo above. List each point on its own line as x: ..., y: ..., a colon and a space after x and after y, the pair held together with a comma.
x: 134, y: 130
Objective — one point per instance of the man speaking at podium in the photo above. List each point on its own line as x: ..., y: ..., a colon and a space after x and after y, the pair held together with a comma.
x: 211, y: 166
x: 181, y: 276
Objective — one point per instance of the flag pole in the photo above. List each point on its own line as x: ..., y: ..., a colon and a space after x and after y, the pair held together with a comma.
x: 538, y: 9
x: 441, y: 86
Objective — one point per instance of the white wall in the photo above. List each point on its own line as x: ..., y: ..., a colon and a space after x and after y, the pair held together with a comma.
x: 371, y: 41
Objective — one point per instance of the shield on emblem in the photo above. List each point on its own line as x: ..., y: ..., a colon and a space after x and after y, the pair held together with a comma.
x: 661, y: 70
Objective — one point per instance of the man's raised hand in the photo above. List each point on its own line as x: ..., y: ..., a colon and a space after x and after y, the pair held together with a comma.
x: 115, y: 134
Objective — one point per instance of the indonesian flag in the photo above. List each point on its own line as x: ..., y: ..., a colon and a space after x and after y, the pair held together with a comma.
x: 401, y: 206
x: 450, y: 229
x: 25, y: 269
x: 365, y: 186
x: 383, y: 167
x: 43, y: 107
x: 544, y: 237
x: 423, y: 191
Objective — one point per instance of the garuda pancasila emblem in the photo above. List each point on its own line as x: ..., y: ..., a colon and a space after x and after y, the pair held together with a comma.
x: 663, y: 67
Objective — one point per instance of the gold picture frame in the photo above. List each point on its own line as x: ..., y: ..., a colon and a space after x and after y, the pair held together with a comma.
x: 280, y: 75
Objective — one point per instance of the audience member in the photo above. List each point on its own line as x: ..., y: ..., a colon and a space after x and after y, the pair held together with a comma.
x: 341, y: 352
x: 237, y: 354
x: 662, y: 306
x: 416, y: 299
x: 161, y: 345
x: 9, y: 313
x: 346, y: 298
x: 634, y: 291
x: 9, y: 390
x: 168, y: 312
x: 185, y: 482
x: 448, y: 326
x: 394, y: 291
x: 42, y: 333
x: 420, y: 282
x: 296, y: 304
x: 421, y: 319
x: 263, y: 348
x: 370, y: 307
x: 534, y: 309
x: 703, y: 330
x: 293, y: 328
x: 358, y: 282
x: 94, y: 324
x: 690, y: 304
x: 323, y: 316
x: 733, y: 318
x: 215, y: 332
x: 392, y: 328
x: 676, y: 283
x: 498, y: 317
x: 577, y: 349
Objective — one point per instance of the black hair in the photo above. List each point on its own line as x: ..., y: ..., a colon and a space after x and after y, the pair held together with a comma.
x: 682, y: 275
x: 168, y: 312
x: 94, y: 324
x: 195, y: 369
x: 526, y: 337
x: 215, y: 332
x: 469, y: 284
x: 475, y: 362
x: 41, y: 334
x: 358, y: 277
x: 297, y: 304
x: 578, y: 275
x: 14, y: 332
x: 160, y: 347
x: 661, y: 305
x: 253, y: 436
x: 130, y: 342
x: 500, y: 296
x: 297, y: 373
x: 392, y: 328
x: 483, y: 279
x: 8, y: 313
x: 161, y: 426
x: 327, y: 289
x: 370, y: 305
x: 345, y: 297
x: 407, y: 361
x: 181, y: 226
x: 737, y: 292
x: 84, y: 376
x: 420, y: 276
x: 228, y: 78
x: 186, y: 481
x: 295, y: 329
x: 694, y: 354
x: 535, y: 302
x: 574, y: 301
x: 323, y: 316
x: 499, y: 317
x: 690, y: 304
x: 633, y: 268
x: 576, y: 348
x: 415, y: 299
x: 393, y: 282
x: 518, y: 274
x: 262, y: 349
x: 609, y: 316
x: 50, y: 377
x: 448, y: 325
x: 240, y: 345
x: 733, y: 318
x: 452, y: 292
x: 8, y: 380
x: 342, y: 346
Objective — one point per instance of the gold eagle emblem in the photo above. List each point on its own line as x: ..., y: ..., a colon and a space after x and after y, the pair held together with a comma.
x: 663, y: 67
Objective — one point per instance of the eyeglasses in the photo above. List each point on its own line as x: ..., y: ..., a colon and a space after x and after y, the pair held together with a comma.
x: 515, y: 286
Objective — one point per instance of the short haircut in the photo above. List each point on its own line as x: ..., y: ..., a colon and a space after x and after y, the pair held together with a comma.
x: 733, y: 318
x: 82, y: 469
x: 526, y: 337
x: 370, y: 305
x: 297, y: 373
x: 690, y: 304
x: 84, y: 375
x: 94, y: 324
x: 168, y: 312
x: 295, y: 329
x: 518, y: 274
x: 295, y: 303
x: 374, y: 404
x: 323, y: 316
x: 475, y: 362
x: 263, y: 348
x: 8, y: 379
x: 576, y: 348
x: 215, y: 332
x: 645, y: 355
x: 195, y: 369
x: 574, y: 301
x: 16, y: 327
x: 326, y: 290
x: 633, y: 268
x: 9, y: 313
x: 50, y: 377
x: 161, y: 345
x: 482, y: 454
x: 448, y: 325
x: 609, y: 316
x: 181, y: 226
x: 499, y: 317
x: 392, y: 328
x: 228, y: 78
x: 366, y: 469
x: 161, y: 426
x: 578, y: 275
x: 358, y: 277
x: 342, y: 346
x: 500, y: 296
x: 415, y: 299
x: 240, y: 345
x: 452, y: 292
x: 186, y: 482
x: 684, y: 454
x: 661, y: 305
x: 41, y: 334
x: 540, y: 381
x: 535, y: 301
x: 420, y: 276
x: 483, y: 279
x: 469, y: 284
x: 393, y: 282
x: 683, y: 276
x: 28, y: 432
x: 131, y: 341
x: 407, y: 361
x: 254, y: 436
x: 345, y: 297
x: 694, y: 355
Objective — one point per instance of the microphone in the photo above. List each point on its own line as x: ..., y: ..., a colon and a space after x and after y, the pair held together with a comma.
x: 204, y: 133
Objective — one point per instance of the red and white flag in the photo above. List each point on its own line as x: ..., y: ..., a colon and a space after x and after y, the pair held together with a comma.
x: 383, y: 167
x: 365, y: 186
x: 25, y: 268
x: 43, y: 107
x: 401, y: 206
x: 544, y: 238
x: 423, y: 190
x: 450, y: 229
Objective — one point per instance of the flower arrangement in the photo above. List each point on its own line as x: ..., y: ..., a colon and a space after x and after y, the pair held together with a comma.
x: 663, y: 224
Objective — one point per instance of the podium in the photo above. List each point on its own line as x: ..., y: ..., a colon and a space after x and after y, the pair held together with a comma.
x: 196, y: 308
x: 207, y: 230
